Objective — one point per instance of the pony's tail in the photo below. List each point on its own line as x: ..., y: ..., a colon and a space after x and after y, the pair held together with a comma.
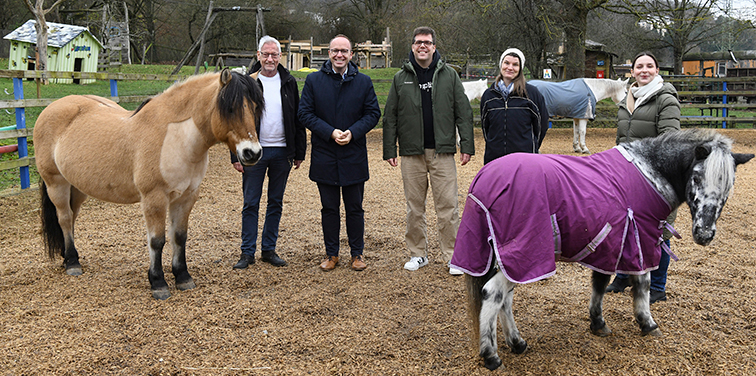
x: 52, y: 234
x: 475, y: 300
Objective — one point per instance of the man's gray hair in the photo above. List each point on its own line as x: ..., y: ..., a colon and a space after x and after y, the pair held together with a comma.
x: 268, y: 39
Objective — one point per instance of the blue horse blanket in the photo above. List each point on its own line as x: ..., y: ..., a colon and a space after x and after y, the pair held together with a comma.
x: 530, y: 210
x: 571, y: 99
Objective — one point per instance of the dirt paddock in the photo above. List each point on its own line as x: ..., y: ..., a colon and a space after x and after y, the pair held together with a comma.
x: 382, y: 321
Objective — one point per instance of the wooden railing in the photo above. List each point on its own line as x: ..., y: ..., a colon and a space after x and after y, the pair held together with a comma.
x: 716, y: 95
x: 712, y: 95
x: 19, y: 104
x: 715, y: 98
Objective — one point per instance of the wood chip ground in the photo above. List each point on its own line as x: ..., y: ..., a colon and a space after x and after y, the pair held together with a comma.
x: 298, y: 320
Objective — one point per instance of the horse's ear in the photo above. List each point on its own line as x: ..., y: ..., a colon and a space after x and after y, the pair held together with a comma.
x: 702, y: 151
x: 742, y: 158
x: 225, y: 76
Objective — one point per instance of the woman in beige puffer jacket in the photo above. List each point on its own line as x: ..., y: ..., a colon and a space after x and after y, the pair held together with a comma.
x: 650, y: 109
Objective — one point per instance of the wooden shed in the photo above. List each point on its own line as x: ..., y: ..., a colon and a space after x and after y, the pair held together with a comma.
x: 70, y: 48
x: 717, y: 64
x: 598, y: 63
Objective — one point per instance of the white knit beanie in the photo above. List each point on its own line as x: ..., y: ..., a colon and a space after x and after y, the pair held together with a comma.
x: 513, y: 51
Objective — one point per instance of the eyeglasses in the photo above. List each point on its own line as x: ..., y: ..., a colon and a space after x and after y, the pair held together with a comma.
x: 426, y: 43
x: 266, y: 55
x: 336, y: 51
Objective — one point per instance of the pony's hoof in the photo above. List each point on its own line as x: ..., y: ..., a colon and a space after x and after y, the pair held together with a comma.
x: 519, y: 347
x: 602, y: 332
x: 74, y: 270
x: 186, y: 285
x: 493, y: 363
x: 161, y: 294
x: 585, y: 151
x: 654, y: 333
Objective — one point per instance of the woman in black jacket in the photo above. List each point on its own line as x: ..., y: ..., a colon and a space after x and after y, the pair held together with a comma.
x: 513, y: 112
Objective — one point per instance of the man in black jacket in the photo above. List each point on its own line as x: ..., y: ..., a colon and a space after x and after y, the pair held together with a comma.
x: 284, y: 143
x: 339, y: 107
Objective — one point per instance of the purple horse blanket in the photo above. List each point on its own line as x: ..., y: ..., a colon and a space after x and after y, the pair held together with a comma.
x: 531, y: 210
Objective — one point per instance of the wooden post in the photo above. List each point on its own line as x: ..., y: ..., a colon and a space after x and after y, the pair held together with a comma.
x: 289, y: 59
x: 195, y: 45
x: 202, y: 41
x: 36, y: 80
x: 389, y: 50
x: 260, y: 27
x: 18, y: 93
x: 128, y: 36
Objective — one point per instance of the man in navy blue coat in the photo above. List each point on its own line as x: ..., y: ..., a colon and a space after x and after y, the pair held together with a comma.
x: 339, y: 107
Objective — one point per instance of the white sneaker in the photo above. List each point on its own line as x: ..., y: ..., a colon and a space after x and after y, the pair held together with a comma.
x: 454, y: 271
x: 416, y: 263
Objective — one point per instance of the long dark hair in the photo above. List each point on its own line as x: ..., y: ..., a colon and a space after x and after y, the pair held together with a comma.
x: 518, y: 83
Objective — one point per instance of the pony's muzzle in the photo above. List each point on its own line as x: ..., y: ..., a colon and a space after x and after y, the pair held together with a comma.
x: 248, y: 152
x: 702, y: 235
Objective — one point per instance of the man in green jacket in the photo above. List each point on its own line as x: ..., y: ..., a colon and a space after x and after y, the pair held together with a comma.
x: 425, y: 110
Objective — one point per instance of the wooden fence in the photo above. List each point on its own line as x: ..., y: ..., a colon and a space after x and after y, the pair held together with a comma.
x: 717, y: 96
x: 22, y: 133
x: 714, y: 97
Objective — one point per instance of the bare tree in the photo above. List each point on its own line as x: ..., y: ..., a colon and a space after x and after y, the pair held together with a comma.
x: 39, y: 12
x: 573, y: 17
x: 13, y: 14
x: 621, y: 34
x: 540, y: 34
x: 373, y: 15
x: 534, y: 25
x: 681, y: 25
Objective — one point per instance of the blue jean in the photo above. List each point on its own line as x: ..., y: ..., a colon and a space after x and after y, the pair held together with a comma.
x: 277, y: 166
x: 658, y: 276
x: 330, y: 198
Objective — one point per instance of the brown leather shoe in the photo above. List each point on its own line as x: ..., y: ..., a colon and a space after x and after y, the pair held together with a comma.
x: 357, y: 263
x: 329, y: 263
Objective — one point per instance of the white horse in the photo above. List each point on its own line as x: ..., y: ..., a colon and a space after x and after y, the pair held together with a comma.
x: 475, y: 89
x: 571, y: 99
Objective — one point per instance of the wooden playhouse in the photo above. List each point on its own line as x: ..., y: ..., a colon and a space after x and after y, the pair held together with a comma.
x: 70, y: 48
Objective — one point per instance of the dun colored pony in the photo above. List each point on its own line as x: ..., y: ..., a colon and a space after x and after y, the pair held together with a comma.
x: 157, y: 155
x: 524, y: 212
x: 576, y: 99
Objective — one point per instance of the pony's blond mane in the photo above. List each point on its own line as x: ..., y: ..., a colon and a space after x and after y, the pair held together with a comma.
x: 188, y: 80
x: 178, y: 84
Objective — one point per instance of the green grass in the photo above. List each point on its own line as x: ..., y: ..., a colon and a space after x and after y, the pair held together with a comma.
x: 381, y: 77
x: 9, y: 179
x: 381, y: 84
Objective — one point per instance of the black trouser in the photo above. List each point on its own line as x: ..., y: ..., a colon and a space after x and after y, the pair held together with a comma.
x: 330, y: 198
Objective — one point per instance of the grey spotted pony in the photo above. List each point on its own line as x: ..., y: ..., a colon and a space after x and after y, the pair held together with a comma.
x: 508, y: 237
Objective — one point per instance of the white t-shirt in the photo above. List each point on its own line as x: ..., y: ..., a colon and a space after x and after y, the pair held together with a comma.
x: 271, y: 126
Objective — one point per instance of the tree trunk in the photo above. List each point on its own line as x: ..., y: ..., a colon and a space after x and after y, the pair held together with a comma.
x: 574, y: 30
x: 41, y: 27
x: 677, y: 59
